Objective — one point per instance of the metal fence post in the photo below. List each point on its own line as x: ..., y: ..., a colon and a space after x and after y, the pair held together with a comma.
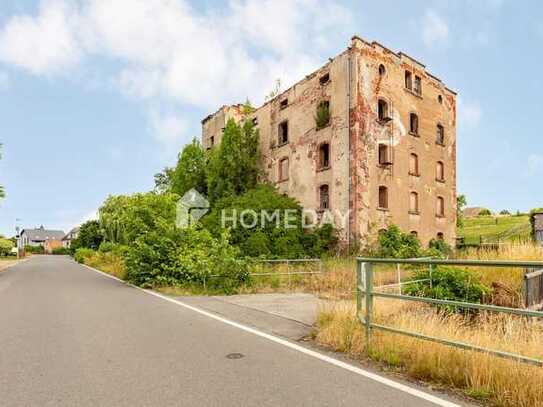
x: 359, y: 266
x: 431, y: 269
x: 369, y: 301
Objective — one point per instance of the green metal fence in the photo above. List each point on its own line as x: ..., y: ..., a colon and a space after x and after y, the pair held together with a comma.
x: 365, y: 291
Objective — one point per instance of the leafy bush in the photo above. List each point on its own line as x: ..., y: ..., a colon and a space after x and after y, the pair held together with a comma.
x: 448, y: 283
x: 5, y: 246
x: 393, y: 243
x: 125, y: 217
x: 271, y: 237
x: 485, y: 212
x: 90, y: 236
x: 439, y: 248
x: 172, y: 256
x: 35, y: 249
x: 82, y: 254
x: 61, y: 251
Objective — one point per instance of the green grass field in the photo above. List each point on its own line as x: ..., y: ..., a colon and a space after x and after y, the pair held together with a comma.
x: 494, y: 229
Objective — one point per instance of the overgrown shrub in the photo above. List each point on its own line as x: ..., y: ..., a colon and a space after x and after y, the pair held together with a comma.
x: 172, y: 256
x: 5, y: 246
x: 61, y: 251
x: 34, y: 249
x: 439, y: 248
x: 271, y: 237
x: 485, y: 212
x: 90, y: 236
x: 82, y: 254
x: 448, y: 283
x: 393, y: 243
x: 322, y: 118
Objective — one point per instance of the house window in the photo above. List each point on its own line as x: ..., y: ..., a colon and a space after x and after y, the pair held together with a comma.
x: 440, y: 207
x: 440, y: 171
x: 324, y: 156
x: 283, y: 104
x: 324, y: 79
x: 418, y: 85
x: 414, y: 233
x: 382, y: 70
x: 414, y: 203
x: 324, y: 197
x: 283, y: 132
x: 440, y: 236
x: 440, y: 99
x: 440, y: 135
x: 212, y: 140
x: 383, y: 197
x: 414, y: 165
x: 283, y: 169
x: 382, y: 110
x: 255, y: 121
x: 408, y: 80
x: 384, y: 155
x: 413, y: 124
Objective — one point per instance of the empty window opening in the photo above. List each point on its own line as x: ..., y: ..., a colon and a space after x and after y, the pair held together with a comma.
x: 414, y: 202
x: 283, y: 104
x: 418, y: 85
x: 283, y: 169
x: 255, y: 121
x: 382, y: 110
x: 382, y: 70
x: 283, y: 132
x: 324, y: 79
x: 440, y: 171
x: 414, y: 233
x: 408, y: 80
x: 413, y: 123
x: 382, y: 232
x: 212, y: 140
x: 414, y: 165
x: 440, y: 207
x: 440, y: 135
x: 383, y: 197
x: 440, y: 99
x: 324, y: 197
x: 440, y: 236
x: 385, y: 154
x: 324, y: 156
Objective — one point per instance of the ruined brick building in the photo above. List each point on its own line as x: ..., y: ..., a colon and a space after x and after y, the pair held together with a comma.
x: 371, y: 133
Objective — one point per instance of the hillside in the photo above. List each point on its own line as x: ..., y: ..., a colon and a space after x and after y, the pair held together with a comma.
x: 492, y: 229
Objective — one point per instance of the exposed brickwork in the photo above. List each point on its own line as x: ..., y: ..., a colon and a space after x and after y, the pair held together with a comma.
x: 354, y: 134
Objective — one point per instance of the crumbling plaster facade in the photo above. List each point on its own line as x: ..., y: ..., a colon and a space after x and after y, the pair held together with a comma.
x: 358, y: 78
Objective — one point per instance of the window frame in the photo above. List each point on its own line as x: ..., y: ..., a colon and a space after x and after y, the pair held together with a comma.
x: 414, y: 209
x: 281, y: 177
x: 440, y: 207
x: 280, y: 133
x: 440, y: 135
x: 320, y: 164
x: 415, y: 172
x: 320, y: 197
x: 414, y: 131
x: 383, y: 189
x: 440, y: 171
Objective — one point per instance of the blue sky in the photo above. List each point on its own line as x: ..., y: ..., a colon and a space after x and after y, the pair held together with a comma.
x: 96, y: 96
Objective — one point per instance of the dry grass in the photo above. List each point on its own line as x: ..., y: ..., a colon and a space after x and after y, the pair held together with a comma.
x: 108, y: 263
x: 482, y: 376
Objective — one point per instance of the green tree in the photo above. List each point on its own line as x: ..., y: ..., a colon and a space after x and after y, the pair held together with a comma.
x: 393, y: 243
x: 5, y: 246
x: 90, y: 236
x: 125, y: 217
x: 163, y: 180
x: 190, y: 171
x: 461, y: 203
x: 234, y: 165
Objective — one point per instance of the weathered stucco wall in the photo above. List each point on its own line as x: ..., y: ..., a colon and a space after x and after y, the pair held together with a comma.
x: 354, y: 133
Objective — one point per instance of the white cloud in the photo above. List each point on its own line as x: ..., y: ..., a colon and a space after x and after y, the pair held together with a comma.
x: 434, y: 28
x: 170, y: 130
x: 45, y: 43
x: 169, y: 52
x: 469, y: 113
x: 535, y: 163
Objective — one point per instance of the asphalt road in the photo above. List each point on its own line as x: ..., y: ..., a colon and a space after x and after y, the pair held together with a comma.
x: 72, y: 337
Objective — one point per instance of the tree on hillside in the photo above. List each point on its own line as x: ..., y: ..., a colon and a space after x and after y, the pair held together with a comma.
x: 190, y: 171
x: 90, y: 236
x: 234, y: 165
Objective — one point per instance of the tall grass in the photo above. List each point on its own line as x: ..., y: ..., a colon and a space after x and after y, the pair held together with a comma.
x: 503, y: 382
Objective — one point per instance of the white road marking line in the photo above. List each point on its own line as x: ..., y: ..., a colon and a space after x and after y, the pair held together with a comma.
x: 338, y: 363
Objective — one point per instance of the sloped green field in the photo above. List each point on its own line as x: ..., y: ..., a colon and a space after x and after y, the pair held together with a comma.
x: 494, y: 229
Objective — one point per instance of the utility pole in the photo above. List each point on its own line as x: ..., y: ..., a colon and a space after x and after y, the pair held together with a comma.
x: 18, y: 237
